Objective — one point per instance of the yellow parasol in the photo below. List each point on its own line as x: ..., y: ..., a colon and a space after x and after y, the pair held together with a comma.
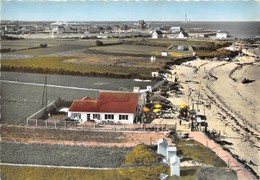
x: 146, y: 109
x: 156, y: 110
x: 157, y: 106
x: 182, y: 106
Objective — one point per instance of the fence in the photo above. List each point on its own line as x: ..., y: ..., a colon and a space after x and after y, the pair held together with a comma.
x: 57, y: 124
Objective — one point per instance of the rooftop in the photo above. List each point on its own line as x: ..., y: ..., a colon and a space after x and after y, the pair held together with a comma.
x: 110, y: 102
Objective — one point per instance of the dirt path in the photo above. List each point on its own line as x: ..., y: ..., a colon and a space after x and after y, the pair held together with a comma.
x: 242, y: 173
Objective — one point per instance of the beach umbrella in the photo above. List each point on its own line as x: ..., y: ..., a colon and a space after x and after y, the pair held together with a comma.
x: 157, y: 106
x: 146, y: 109
x: 156, y: 110
x: 182, y: 106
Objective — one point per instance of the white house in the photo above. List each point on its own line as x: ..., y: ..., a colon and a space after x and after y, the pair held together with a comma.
x: 183, y: 35
x: 221, y: 35
x: 117, y: 107
x: 164, y: 53
x: 175, y: 29
x: 155, y: 74
x: 157, y: 34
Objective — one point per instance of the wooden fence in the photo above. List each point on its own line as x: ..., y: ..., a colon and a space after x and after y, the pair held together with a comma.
x: 99, y: 127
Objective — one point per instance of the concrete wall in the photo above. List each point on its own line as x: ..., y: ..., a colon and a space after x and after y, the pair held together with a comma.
x: 42, y: 112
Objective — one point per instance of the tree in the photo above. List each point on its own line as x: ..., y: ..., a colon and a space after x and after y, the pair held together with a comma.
x: 143, y: 24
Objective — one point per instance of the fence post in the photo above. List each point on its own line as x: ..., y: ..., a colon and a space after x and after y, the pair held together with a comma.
x: 36, y: 122
x: 65, y: 124
x: 46, y: 123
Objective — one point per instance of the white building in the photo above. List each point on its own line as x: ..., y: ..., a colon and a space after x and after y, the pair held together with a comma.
x: 221, y: 35
x: 175, y: 29
x: 109, y: 107
x: 155, y: 74
x: 157, y: 34
x: 170, y: 152
x: 162, y: 147
x: 183, y: 35
x: 175, y: 165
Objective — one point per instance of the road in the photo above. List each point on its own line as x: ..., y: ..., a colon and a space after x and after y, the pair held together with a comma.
x: 22, y: 93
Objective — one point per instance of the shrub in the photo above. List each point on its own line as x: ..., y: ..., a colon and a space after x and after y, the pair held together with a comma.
x: 141, y: 155
x: 43, y: 45
x: 99, y: 43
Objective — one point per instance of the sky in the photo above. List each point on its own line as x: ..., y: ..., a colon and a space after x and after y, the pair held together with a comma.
x: 130, y: 10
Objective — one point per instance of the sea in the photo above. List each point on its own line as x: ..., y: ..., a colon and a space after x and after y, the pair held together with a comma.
x: 235, y: 29
x: 244, y: 29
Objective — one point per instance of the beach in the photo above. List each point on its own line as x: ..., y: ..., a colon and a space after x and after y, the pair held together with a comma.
x: 232, y: 107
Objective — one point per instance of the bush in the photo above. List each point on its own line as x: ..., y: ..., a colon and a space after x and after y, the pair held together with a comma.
x: 43, y: 45
x: 99, y: 43
x: 141, y: 155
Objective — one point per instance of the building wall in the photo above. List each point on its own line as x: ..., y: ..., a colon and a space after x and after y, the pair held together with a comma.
x: 84, y: 116
x: 221, y: 35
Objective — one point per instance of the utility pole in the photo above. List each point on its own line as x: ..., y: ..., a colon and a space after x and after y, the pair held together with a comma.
x: 198, y: 99
x: 44, y: 95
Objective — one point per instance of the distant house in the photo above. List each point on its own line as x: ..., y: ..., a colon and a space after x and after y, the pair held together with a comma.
x: 183, y: 35
x: 157, y: 34
x: 117, y: 107
x: 221, y: 35
x: 175, y: 29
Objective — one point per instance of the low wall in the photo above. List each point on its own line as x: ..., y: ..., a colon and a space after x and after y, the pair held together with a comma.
x: 42, y: 112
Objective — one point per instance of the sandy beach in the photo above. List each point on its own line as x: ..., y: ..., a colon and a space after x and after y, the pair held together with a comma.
x: 232, y: 107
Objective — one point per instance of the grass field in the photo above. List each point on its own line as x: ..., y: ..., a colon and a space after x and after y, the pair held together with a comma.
x: 195, y: 151
x: 134, y: 173
x: 30, y: 173
x: 129, y: 49
x: 48, y: 50
x: 196, y: 43
x: 61, y: 65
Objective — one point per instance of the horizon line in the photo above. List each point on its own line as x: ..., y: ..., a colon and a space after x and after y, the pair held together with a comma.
x: 131, y: 20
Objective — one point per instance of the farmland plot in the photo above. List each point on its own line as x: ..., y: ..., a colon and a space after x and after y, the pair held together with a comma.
x: 63, y: 155
x: 130, y: 49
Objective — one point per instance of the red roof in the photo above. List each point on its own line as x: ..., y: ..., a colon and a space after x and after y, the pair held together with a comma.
x: 109, y: 102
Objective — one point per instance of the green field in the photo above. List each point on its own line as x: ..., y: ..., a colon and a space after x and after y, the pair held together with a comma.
x: 140, y: 173
x: 128, y: 58
x: 58, y: 65
x: 134, y: 173
x: 130, y: 49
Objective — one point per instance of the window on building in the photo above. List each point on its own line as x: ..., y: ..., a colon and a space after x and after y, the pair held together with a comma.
x: 88, y: 116
x: 75, y: 116
x: 109, y: 116
x: 96, y: 116
x: 123, y: 117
